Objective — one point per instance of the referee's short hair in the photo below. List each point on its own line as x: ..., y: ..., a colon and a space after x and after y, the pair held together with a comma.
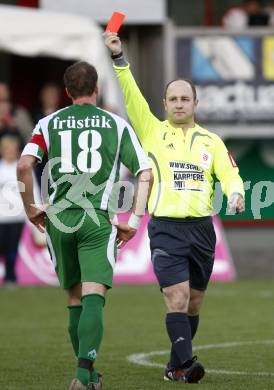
x: 80, y: 79
x: 190, y: 82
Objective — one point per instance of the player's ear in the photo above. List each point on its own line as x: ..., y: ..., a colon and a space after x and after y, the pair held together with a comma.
x: 96, y: 90
x: 68, y: 94
x: 164, y: 102
x: 196, y: 103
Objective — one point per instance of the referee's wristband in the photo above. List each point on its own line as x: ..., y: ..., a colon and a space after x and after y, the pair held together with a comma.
x: 134, y: 221
x: 115, y: 56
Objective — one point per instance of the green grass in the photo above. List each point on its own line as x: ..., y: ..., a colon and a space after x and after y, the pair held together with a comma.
x: 35, y: 352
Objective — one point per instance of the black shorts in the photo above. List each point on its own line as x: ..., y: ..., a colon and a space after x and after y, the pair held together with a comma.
x: 182, y: 249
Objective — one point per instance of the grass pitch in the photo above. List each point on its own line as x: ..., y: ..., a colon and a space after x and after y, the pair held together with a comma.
x: 36, y: 354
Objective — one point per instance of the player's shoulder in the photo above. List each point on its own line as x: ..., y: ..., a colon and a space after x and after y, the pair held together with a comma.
x: 46, y: 119
x: 121, y: 122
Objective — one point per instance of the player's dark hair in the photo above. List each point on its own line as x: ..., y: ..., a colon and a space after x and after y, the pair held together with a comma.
x: 187, y: 81
x: 80, y: 79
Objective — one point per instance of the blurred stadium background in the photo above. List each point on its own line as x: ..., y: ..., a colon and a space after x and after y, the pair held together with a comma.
x: 233, y: 68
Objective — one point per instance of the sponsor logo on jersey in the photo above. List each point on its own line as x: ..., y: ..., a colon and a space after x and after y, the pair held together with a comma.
x: 186, y: 176
x: 95, y: 121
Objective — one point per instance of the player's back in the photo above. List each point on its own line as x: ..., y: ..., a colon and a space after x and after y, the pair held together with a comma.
x: 83, y: 151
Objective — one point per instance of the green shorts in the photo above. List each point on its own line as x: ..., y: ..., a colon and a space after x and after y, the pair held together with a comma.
x: 87, y: 254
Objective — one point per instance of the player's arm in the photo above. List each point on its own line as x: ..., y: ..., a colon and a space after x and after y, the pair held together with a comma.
x: 126, y: 231
x: 137, y: 107
x: 227, y: 172
x: 135, y: 159
x: 24, y: 175
x: 32, y: 153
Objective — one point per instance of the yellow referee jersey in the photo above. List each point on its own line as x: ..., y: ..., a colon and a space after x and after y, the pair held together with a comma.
x: 183, y: 165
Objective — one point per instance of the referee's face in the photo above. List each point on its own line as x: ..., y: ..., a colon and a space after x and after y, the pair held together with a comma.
x: 179, y: 103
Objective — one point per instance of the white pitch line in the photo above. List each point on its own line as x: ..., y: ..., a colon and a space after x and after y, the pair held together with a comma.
x: 143, y: 359
x: 233, y: 344
x: 225, y: 372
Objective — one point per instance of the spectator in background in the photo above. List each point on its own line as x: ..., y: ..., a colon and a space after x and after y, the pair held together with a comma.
x: 12, y: 215
x: 50, y: 97
x: 256, y: 15
x: 249, y: 13
x: 269, y: 10
x: 13, y: 119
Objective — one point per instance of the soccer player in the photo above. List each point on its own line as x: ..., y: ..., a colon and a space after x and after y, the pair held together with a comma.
x: 85, y: 146
x: 185, y: 157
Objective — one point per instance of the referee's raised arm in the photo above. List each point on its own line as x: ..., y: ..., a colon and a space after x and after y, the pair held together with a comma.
x: 137, y: 107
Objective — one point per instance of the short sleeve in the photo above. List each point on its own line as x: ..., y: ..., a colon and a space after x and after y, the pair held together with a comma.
x: 131, y: 153
x: 36, y: 146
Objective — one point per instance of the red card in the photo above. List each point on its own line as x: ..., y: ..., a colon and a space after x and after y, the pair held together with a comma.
x: 115, y: 22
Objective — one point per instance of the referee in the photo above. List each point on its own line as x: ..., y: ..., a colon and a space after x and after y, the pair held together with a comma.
x: 185, y: 157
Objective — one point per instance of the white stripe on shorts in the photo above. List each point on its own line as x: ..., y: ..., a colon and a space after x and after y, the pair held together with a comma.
x: 110, y: 248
